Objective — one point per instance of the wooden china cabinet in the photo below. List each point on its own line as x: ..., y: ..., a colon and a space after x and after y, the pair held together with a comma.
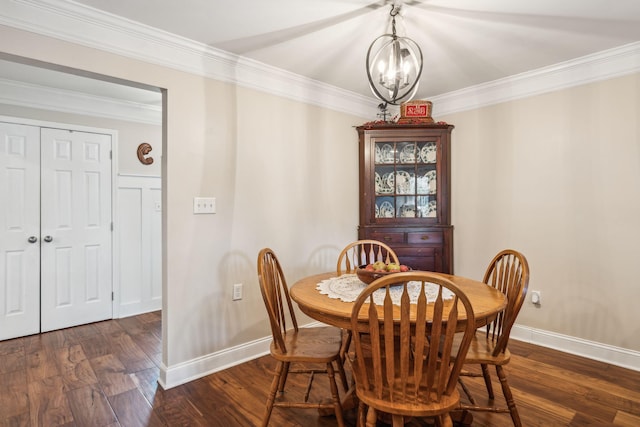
x: 405, y: 192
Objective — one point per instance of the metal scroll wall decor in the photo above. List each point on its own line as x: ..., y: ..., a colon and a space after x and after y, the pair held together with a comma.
x: 143, y: 150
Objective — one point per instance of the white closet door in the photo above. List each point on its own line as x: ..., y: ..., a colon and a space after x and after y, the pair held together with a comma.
x: 19, y: 230
x: 76, y: 282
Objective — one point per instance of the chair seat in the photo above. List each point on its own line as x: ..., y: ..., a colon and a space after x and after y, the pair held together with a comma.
x: 417, y: 409
x: 481, y: 351
x: 320, y: 344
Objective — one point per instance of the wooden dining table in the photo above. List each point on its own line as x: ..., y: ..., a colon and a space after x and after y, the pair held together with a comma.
x: 486, y: 301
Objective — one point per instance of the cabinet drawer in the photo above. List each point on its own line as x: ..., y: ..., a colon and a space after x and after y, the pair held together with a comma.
x: 415, y: 252
x: 387, y: 237
x: 426, y: 258
x: 422, y: 264
x: 426, y: 237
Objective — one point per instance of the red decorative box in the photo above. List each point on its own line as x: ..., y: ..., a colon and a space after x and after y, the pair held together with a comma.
x: 416, y: 112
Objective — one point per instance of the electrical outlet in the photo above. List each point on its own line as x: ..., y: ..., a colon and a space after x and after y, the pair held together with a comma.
x: 204, y: 205
x: 536, y: 298
x: 237, y: 291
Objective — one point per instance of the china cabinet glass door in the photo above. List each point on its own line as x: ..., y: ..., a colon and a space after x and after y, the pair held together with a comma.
x: 405, y: 179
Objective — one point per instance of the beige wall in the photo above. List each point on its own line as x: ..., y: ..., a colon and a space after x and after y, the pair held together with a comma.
x: 557, y: 176
x: 284, y: 175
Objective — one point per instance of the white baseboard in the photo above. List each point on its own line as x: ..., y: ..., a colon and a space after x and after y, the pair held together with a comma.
x: 590, y: 349
x: 134, y: 309
x: 214, y: 362
x: 197, y: 368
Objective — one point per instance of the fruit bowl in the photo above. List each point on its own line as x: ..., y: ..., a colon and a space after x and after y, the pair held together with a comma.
x: 368, y: 276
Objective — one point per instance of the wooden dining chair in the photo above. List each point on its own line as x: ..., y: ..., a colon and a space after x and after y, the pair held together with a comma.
x: 509, y: 273
x: 405, y: 368
x: 362, y: 252
x: 355, y: 254
x: 291, y: 345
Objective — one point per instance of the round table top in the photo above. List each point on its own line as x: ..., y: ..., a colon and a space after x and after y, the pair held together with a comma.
x: 485, y: 300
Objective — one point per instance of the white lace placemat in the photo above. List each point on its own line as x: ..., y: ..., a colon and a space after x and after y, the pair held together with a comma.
x: 347, y: 288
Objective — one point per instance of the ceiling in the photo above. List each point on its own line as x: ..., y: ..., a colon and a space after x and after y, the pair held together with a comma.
x: 464, y: 42
x: 66, y: 81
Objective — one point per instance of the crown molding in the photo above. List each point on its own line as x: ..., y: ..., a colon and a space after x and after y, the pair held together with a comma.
x: 79, y: 24
x: 616, y: 62
x: 45, y: 98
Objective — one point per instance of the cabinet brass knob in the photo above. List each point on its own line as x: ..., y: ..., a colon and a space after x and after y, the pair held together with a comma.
x: 425, y: 237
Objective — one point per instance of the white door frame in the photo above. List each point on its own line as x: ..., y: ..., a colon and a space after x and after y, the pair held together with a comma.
x: 115, y: 256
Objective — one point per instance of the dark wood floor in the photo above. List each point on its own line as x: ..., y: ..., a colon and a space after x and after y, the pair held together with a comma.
x: 105, y: 374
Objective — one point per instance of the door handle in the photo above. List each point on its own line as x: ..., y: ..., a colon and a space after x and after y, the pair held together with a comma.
x: 32, y: 239
x: 47, y: 239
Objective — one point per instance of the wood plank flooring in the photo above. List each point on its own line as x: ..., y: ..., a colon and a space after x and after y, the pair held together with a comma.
x: 105, y: 374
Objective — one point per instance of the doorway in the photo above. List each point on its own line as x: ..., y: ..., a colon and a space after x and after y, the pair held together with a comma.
x: 51, y: 92
x: 56, y: 239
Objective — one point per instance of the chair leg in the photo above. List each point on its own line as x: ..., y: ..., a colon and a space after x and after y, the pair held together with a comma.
x: 343, y: 375
x: 466, y: 391
x: 372, y: 417
x: 487, y: 380
x: 444, y: 420
x: 346, y: 343
x: 334, y: 395
x: 397, y: 420
x: 361, y: 416
x: 511, y: 404
x: 283, y: 377
x: 272, y: 394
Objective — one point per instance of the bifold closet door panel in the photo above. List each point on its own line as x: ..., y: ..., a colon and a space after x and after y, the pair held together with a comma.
x: 76, y: 228
x: 19, y: 230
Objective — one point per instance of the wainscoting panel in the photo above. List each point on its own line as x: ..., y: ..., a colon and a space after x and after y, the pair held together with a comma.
x: 140, y: 239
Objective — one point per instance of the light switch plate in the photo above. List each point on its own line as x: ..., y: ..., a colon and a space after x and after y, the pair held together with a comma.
x: 204, y: 205
x: 237, y: 291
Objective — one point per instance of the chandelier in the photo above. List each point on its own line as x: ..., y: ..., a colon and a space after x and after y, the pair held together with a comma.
x: 394, y: 65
